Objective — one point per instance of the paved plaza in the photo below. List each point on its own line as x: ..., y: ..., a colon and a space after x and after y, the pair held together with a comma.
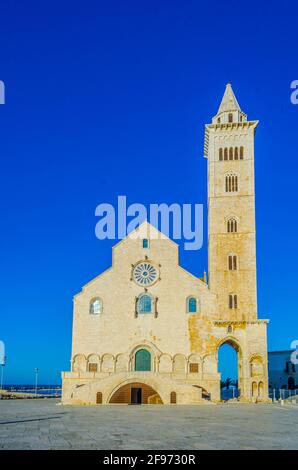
x: 43, y: 424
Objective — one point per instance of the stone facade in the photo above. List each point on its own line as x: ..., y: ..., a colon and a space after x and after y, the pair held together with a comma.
x: 148, y: 331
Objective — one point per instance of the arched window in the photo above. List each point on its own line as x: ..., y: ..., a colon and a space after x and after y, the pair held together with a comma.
x: 233, y: 301
x: 99, y: 398
x: 232, y: 262
x: 173, y: 398
x: 218, y: 120
x: 232, y: 225
x: 241, y: 153
x: 231, y: 153
x: 143, y: 360
x: 145, y: 243
x: 231, y: 183
x: 225, y: 153
x: 145, y: 304
x: 95, y: 307
x: 236, y: 153
x: 220, y: 154
x: 230, y: 118
x: 192, y: 305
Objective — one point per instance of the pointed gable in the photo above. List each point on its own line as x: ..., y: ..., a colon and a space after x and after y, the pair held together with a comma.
x: 229, y: 101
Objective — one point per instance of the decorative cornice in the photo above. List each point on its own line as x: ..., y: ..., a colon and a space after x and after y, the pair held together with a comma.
x: 239, y: 322
x: 232, y: 125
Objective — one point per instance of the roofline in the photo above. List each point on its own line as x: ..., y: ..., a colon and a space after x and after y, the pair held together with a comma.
x: 282, y: 351
x: 164, y: 237
x: 90, y: 282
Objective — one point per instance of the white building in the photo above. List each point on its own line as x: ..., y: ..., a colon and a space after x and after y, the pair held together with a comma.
x: 282, y: 372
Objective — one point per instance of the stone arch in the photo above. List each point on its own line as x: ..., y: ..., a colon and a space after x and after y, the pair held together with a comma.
x: 257, y: 355
x: 254, y: 389
x: 153, y: 350
x: 107, y: 363
x: 256, y: 365
x: 147, y: 345
x: 194, y: 363
x: 121, y: 363
x: 79, y: 363
x: 232, y: 341
x: 93, y: 359
x: 146, y: 395
x: 261, y: 389
x: 235, y: 344
x: 179, y: 364
x: 150, y: 381
x: 165, y: 364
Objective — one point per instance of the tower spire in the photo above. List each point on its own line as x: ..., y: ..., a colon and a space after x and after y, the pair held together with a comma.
x: 229, y: 109
x: 229, y: 101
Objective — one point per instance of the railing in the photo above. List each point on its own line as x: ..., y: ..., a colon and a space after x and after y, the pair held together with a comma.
x: 282, y: 394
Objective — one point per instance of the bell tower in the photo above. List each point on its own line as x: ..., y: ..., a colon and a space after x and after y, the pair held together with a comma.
x: 229, y: 147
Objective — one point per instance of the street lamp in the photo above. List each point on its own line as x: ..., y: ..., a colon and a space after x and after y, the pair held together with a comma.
x: 2, y: 363
x: 36, y: 375
x: 2, y: 373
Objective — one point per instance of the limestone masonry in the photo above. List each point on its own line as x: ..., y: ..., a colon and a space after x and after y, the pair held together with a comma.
x: 146, y: 330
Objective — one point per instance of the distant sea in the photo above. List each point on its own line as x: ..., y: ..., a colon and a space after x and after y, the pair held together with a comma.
x: 40, y: 389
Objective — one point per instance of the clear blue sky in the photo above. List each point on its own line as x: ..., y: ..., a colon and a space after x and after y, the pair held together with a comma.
x: 109, y: 98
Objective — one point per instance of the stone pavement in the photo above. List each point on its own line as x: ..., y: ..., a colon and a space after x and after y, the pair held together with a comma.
x: 42, y: 424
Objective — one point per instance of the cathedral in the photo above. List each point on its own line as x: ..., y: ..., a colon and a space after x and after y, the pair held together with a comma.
x: 146, y: 331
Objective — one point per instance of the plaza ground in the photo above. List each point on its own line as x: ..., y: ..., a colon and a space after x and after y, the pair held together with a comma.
x: 43, y: 424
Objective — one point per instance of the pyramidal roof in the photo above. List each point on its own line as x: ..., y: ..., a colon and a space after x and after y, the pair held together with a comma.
x: 229, y: 101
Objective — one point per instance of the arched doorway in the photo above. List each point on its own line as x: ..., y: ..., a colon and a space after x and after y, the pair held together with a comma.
x: 142, y: 360
x: 136, y: 393
x: 229, y: 366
